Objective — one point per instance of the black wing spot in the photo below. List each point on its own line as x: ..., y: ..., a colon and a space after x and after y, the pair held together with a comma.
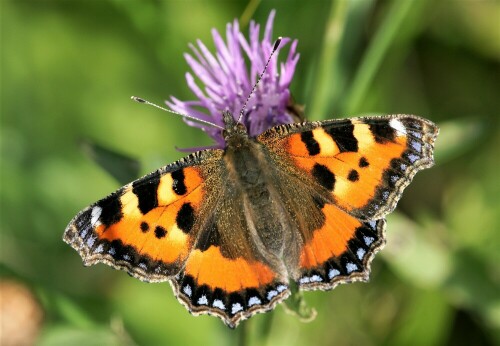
x: 363, y: 162
x: 146, y: 190
x: 324, y: 176
x: 353, y: 175
x: 383, y: 132
x: 185, y: 218
x: 111, y: 210
x: 311, y: 144
x: 343, y: 135
x: 178, y: 184
x: 144, y: 227
x: 160, y: 232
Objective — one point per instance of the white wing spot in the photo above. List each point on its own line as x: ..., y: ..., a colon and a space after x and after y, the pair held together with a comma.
x: 218, y: 304
x: 413, y: 157
x: 304, y: 280
x: 271, y: 294
x: 416, y: 134
x: 96, y: 214
x: 316, y: 278
x: 203, y: 300
x: 99, y: 249
x: 254, y: 301
x: 91, y: 241
x: 333, y: 273
x: 187, y: 290
x: 368, y: 240
x: 398, y: 126
x: 372, y: 224
x: 361, y: 253
x: 236, y: 307
x: 83, y: 234
x: 416, y: 145
x: 350, y: 267
x: 281, y: 288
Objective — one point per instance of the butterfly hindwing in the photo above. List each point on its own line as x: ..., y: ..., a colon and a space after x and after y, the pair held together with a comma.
x: 340, y: 251
x: 229, y: 273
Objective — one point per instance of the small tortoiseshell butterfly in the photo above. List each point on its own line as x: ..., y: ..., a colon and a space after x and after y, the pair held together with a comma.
x: 231, y: 228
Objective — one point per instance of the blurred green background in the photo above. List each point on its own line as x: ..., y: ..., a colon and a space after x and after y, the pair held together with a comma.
x: 68, y: 69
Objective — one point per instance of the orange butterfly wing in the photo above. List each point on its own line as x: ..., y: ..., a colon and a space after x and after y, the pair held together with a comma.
x: 360, y: 167
x: 147, y: 227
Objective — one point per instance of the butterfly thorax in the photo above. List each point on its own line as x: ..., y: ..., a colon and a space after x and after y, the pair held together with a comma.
x: 243, y: 156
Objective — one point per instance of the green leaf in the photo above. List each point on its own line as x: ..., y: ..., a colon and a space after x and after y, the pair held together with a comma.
x: 121, y: 167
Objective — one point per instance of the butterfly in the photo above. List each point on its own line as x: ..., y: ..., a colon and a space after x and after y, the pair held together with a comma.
x: 231, y: 228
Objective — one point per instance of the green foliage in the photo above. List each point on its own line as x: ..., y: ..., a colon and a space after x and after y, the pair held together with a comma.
x: 68, y: 69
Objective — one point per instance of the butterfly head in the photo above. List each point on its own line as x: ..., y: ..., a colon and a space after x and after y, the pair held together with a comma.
x: 234, y: 132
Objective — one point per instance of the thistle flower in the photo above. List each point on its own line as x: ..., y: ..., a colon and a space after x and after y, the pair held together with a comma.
x: 228, y: 81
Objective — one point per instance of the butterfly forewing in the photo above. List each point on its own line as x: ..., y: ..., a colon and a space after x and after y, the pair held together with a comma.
x: 147, y: 227
x: 365, y: 163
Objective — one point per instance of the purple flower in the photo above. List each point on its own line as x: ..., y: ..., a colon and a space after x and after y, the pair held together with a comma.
x: 228, y: 81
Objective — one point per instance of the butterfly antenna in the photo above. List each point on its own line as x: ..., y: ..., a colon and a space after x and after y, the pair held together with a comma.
x: 276, y: 45
x: 141, y: 100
